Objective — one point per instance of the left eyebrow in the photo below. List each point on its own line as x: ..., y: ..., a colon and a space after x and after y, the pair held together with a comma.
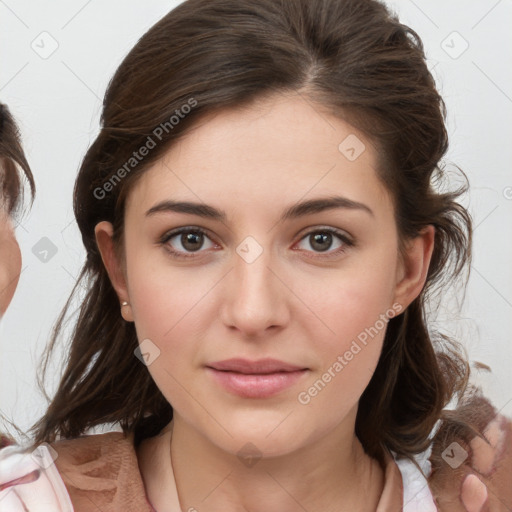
x: 298, y: 210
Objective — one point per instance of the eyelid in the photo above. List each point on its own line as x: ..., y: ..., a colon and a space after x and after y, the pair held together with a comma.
x: 330, y: 229
x: 186, y: 229
x: 347, y: 240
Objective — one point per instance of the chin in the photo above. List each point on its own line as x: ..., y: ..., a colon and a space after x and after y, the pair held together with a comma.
x: 252, y: 448
x: 253, y: 436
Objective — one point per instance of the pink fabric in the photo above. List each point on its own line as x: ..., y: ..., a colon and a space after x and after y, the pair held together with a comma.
x: 30, y: 481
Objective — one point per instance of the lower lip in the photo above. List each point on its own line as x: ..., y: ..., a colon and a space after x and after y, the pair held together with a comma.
x: 256, y: 385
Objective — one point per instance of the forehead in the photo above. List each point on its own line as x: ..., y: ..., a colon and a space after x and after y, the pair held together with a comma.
x: 274, y: 152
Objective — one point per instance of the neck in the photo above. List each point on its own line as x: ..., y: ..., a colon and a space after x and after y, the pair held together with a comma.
x: 330, y: 475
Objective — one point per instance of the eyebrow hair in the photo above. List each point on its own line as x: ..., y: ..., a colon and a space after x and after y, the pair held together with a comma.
x: 298, y: 210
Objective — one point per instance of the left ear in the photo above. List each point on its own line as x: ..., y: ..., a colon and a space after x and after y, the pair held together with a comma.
x: 412, y: 268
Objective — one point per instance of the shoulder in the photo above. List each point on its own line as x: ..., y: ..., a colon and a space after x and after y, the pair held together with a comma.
x: 101, y: 471
x: 89, y: 448
x: 474, y: 472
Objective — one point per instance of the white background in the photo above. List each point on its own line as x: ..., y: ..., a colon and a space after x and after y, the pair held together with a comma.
x: 57, y: 102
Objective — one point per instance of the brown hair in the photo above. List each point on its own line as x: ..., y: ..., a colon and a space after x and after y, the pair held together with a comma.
x: 12, y: 157
x: 352, y: 57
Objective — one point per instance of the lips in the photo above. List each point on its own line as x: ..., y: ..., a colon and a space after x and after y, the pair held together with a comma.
x: 260, y: 367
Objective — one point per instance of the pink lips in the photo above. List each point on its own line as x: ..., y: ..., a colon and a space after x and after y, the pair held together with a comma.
x: 255, y: 379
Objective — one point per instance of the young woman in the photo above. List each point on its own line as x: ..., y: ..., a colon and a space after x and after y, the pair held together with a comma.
x: 263, y: 235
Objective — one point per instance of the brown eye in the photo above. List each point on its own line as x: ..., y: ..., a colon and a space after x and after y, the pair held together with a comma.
x: 186, y: 240
x: 321, y: 240
x: 192, y: 241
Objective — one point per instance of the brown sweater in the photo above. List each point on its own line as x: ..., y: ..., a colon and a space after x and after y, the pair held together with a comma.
x: 101, y: 473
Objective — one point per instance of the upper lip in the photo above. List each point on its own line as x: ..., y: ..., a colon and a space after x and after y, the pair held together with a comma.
x: 261, y: 366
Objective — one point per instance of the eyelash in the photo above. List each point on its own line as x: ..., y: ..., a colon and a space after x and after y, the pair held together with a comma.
x: 347, y: 243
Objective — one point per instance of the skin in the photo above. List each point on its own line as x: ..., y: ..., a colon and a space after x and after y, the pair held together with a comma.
x: 10, y: 262
x: 292, y: 303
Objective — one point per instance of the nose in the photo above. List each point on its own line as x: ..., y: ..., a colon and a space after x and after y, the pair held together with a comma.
x: 255, y: 296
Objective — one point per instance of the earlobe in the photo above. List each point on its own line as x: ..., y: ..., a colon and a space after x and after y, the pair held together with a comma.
x: 413, y: 267
x: 104, y: 239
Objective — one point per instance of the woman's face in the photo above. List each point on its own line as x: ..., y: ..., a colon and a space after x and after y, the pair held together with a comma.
x: 10, y: 261
x: 312, y: 288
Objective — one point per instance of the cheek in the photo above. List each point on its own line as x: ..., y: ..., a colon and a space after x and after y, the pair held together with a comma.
x: 168, y: 301
x: 168, y: 304
x: 354, y: 308
x: 350, y: 301
x: 174, y: 310
x: 10, y: 268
